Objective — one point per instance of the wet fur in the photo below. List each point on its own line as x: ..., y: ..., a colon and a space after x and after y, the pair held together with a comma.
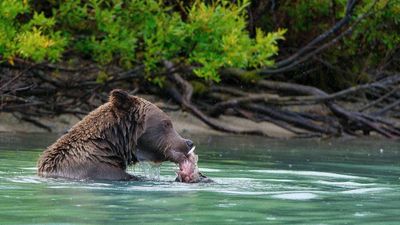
x: 105, y: 142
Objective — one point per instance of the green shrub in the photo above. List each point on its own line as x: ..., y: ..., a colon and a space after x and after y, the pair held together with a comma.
x: 133, y: 32
x: 217, y: 37
x: 34, y: 39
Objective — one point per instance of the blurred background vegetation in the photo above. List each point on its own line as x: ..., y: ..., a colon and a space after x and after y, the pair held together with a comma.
x: 203, y: 35
x: 128, y: 33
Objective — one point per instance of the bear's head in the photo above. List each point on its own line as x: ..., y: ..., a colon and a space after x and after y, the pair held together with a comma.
x: 156, y: 138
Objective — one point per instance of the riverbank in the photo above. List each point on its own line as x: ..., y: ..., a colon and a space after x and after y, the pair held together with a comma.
x: 184, y: 123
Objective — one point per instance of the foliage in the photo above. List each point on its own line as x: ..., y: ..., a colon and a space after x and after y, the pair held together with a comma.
x: 380, y: 33
x: 371, y: 43
x: 33, y: 39
x: 202, y: 35
x: 217, y: 34
x: 134, y: 32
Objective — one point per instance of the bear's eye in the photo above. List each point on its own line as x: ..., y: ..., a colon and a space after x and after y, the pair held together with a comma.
x: 166, y: 124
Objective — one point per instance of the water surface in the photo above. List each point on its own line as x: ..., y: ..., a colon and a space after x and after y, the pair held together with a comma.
x: 257, y: 181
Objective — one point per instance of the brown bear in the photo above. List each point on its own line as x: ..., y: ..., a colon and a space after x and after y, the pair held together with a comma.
x: 121, y: 132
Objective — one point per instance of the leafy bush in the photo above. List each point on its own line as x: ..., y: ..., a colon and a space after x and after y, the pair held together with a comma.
x: 218, y: 38
x: 33, y: 39
x: 133, y: 32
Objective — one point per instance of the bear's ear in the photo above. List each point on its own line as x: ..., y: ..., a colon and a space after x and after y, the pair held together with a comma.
x: 120, y: 99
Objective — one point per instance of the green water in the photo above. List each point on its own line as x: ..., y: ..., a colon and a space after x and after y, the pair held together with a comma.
x: 257, y: 181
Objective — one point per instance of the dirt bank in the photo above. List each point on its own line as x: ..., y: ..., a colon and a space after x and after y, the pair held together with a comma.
x: 184, y: 123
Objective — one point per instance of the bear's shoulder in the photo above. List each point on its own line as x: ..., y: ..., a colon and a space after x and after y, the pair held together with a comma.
x: 92, y: 125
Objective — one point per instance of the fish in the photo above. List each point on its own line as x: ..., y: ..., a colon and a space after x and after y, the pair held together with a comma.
x: 189, y: 170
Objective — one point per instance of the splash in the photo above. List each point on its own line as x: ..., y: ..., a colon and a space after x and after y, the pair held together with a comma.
x: 149, y: 170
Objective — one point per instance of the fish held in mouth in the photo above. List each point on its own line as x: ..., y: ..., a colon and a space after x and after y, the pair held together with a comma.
x: 189, y: 170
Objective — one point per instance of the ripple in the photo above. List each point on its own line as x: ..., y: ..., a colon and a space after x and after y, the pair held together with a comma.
x: 238, y: 179
x: 360, y: 214
x: 162, y: 188
x: 234, y: 179
x: 310, y: 173
x: 347, y: 184
x: 227, y: 205
x: 27, y: 180
x: 29, y: 168
x: 365, y: 190
x: 296, y: 196
x: 237, y: 192
x: 9, y: 187
x: 274, y: 194
x: 209, y: 170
